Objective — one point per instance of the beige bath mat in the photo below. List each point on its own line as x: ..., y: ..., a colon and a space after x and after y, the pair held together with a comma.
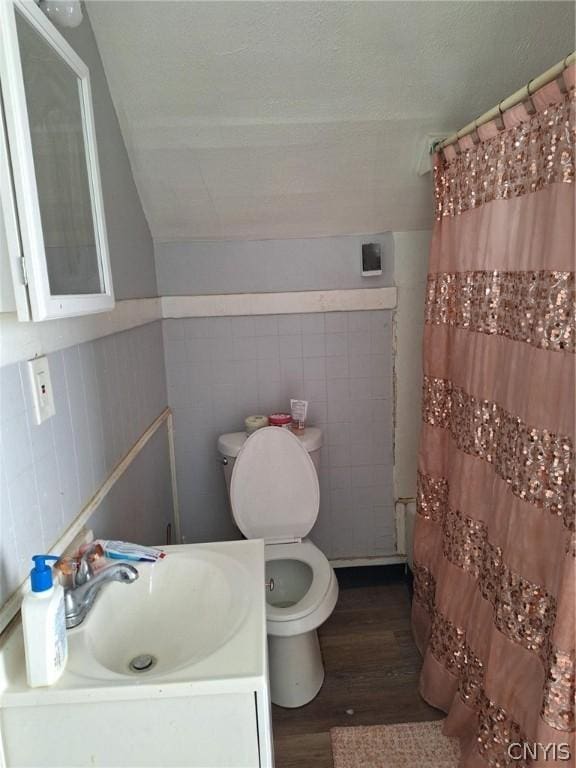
x: 405, y: 745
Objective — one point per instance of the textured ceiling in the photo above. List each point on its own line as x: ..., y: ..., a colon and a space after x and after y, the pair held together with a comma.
x: 297, y: 119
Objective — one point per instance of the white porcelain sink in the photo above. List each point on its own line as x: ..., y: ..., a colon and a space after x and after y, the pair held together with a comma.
x: 179, y: 611
x: 201, y: 614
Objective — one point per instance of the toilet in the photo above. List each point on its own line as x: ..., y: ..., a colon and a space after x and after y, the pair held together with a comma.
x: 274, y: 493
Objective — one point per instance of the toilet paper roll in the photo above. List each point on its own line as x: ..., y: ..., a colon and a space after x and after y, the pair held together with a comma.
x: 252, y: 423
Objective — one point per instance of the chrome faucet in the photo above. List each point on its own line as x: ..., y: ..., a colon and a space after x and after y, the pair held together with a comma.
x: 80, y: 595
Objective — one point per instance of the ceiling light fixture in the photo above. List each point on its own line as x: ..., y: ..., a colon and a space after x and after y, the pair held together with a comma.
x: 64, y: 13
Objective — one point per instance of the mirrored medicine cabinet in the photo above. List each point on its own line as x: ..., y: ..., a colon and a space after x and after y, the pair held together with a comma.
x: 52, y: 206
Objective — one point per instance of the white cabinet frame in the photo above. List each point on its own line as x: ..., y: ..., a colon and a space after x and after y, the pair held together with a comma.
x: 33, y: 269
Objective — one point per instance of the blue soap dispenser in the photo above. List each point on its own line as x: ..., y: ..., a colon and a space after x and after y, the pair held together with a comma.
x: 44, y: 625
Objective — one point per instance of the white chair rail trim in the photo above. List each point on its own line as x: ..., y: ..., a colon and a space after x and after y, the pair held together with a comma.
x: 23, y: 341
x: 235, y: 304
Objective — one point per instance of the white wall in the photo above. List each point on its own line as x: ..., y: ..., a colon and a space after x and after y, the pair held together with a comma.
x: 129, y: 241
x: 221, y: 369
x: 252, y: 266
x: 49, y: 472
x: 410, y: 270
x: 108, y: 380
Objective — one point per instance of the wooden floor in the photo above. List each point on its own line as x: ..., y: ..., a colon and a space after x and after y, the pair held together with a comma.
x: 372, y: 668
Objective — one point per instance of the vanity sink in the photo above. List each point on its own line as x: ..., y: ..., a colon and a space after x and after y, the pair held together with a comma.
x: 157, y: 671
x: 180, y: 610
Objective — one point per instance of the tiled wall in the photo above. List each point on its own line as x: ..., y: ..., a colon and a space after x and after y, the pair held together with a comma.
x: 221, y: 369
x: 106, y: 393
x: 140, y: 503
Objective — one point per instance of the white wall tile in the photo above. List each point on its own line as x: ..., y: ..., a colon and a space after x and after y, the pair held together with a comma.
x: 27, y: 520
x: 360, y: 343
x: 49, y: 499
x: 360, y: 388
x: 80, y: 437
x: 312, y: 324
x: 317, y: 412
x: 267, y: 347
x: 359, y: 321
x: 243, y: 326
x: 338, y: 390
x: 289, y: 325
x: 106, y: 393
x: 15, y: 446
x: 336, y: 322
x: 338, y: 411
x: 291, y: 346
x: 360, y: 365
x: 314, y: 368
x: 266, y: 325
x: 337, y: 367
x: 312, y: 356
x: 315, y: 390
x: 269, y: 368
x: 313, y: 345
x: 245, y: 348
x: 12, y: 400
x: 336, y: 344
x: 9, y: 561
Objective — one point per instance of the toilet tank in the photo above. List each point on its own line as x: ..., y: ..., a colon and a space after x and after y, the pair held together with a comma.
x: 229, y: 447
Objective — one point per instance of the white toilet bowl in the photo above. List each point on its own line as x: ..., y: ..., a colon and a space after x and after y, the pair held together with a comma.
x: 303, y: 595
x: 275, y: 495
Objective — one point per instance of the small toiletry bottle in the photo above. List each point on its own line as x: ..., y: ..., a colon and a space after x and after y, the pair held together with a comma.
x: 44, y: 625
x: 283, y: 420
x: 299, y: 410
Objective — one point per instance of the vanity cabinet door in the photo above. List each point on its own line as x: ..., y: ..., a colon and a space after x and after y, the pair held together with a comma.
x: 201, y: 731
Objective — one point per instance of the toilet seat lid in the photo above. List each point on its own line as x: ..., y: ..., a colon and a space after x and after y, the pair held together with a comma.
x: 274, y: 491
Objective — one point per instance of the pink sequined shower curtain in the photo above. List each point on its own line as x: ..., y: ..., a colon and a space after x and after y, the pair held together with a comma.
x: 494, y: 550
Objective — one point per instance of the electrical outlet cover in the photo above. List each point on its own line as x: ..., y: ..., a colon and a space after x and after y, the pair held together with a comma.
x: 41, y: 386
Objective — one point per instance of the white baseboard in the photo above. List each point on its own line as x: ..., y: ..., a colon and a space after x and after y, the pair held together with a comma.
x: 353, y: 562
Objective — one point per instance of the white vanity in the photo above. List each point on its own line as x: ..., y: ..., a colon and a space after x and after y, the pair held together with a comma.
x: 196, y: 623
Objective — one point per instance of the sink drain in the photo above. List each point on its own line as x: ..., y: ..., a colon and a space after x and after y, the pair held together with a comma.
x: 142, y: 663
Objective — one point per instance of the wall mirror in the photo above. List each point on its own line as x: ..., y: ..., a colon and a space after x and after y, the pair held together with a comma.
x: 50, y: 180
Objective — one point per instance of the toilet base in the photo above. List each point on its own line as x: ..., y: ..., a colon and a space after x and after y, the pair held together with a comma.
x: 296, y: 669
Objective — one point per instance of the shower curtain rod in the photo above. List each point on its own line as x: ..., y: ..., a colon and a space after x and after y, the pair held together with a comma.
x: 511, y: 101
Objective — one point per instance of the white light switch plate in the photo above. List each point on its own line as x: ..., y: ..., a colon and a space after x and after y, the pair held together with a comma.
x: 41, y: 385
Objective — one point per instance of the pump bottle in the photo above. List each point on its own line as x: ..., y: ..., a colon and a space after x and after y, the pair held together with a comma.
x: 44, y: 625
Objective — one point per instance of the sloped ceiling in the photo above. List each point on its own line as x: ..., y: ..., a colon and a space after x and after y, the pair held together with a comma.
x: 298, y: 119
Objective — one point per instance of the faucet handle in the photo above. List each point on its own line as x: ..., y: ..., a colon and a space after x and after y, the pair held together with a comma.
x: 66, y: 568
x: 84, y: 571
x: 85, y: 563
x: 73, y: 571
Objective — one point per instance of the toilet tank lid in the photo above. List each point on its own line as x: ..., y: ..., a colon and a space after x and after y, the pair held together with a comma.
x: 231, y: 443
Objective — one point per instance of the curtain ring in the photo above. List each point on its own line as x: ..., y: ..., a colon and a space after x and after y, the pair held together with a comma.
x: 529, y: 105
x: 499, y: 121
x: 561, y: 83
